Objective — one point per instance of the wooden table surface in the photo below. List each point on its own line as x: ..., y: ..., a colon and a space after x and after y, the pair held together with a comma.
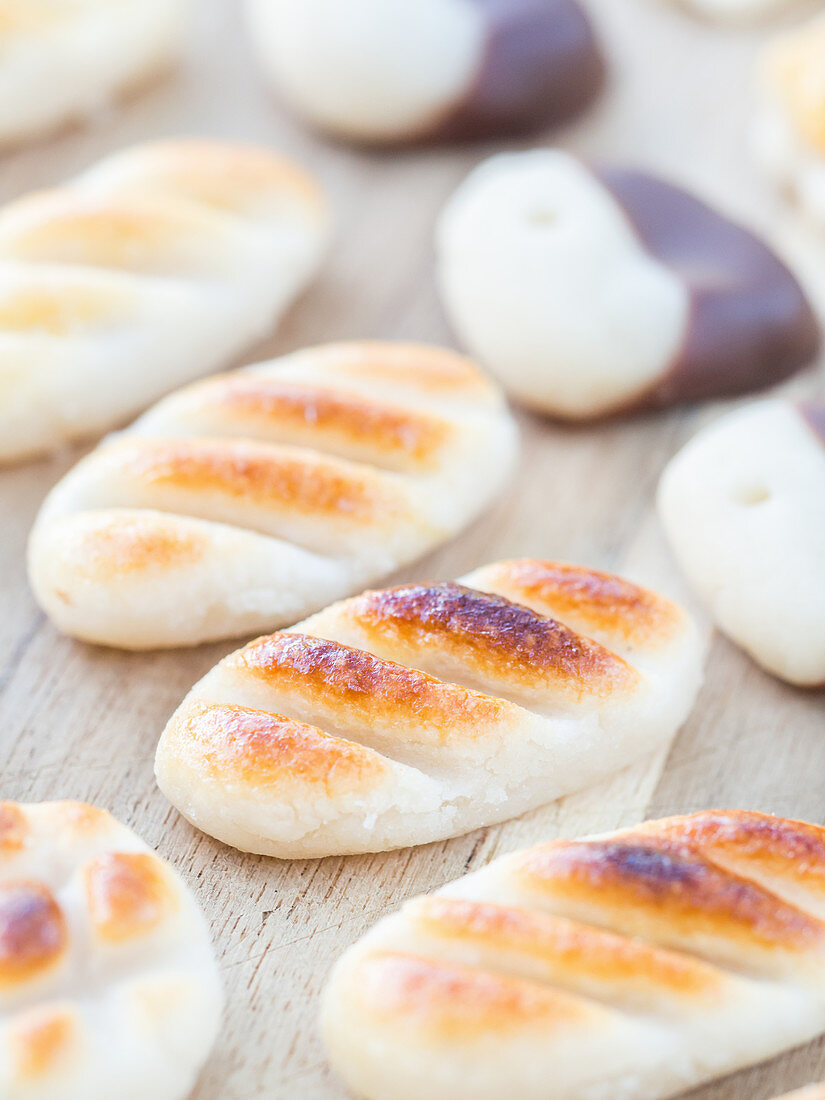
x: 82, y: 722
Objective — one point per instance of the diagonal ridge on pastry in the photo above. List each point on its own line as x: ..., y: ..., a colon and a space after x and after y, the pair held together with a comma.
x: 63, y: 60
x: 635, y: 966
x: 161, y: 263
x: 247, y: 501
x: 108, y: 985
x: 420, y: 712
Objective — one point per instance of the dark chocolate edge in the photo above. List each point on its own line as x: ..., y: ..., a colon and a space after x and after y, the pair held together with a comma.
x: 570, y: 83
x: 773, y: 355
x: 459, y: 123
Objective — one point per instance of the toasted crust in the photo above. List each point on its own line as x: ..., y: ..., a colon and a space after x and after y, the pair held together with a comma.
x: 767, y: 848
x: 257, y: 475
x: 12, y: 828
x: 43, y: 1041
x: 659, y: 890
x: 631, y: 966
x: 362, y: 687
x: 128, y: 895
x: 441, y: 707
x: 346, y: 424
x: 247, y: 501
x: 492, y: 637
x: 260, y: 751
x: 33, y: 933
x: 103, y: 955
x: 570, y: 951
x: 600, y: 604
x: 109, y: 545
x: 446, y: 1003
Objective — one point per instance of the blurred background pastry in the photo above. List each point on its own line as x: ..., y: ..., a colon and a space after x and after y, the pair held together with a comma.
x: 65, y: 60
x: 159, y: 264
x: 389, y: 71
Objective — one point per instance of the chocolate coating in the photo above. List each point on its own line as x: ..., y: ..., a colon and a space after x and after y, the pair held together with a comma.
x: 750, y: 323
x: 813, y: 413
x: 541, y: 66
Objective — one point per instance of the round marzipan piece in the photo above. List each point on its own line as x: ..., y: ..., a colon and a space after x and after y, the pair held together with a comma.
x: 108, y: 983
x: 743, y: 507
x: 391, y: 71
x: 597, y: 291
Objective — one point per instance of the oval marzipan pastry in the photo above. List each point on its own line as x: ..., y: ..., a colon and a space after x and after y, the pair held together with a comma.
x: 595, y: 291
x: 160, y: 264
x: 108, y: 984
x: 61, y: 60
x: 249, y: 500
x: 388, y: 71
x: 634, y: 965
x: 743, y: 506
x: 420, y: 712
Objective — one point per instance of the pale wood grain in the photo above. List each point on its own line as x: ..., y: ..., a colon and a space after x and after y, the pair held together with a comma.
x: 82, y: 722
